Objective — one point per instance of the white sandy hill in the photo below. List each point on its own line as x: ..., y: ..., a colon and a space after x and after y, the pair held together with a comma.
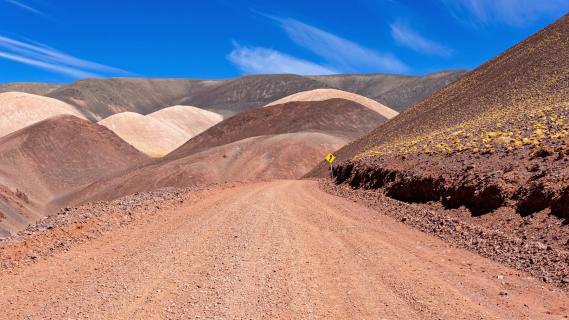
x: 191, y: 120
x: 19, y: 110
x: 327, y: 94
x: 159, y: 133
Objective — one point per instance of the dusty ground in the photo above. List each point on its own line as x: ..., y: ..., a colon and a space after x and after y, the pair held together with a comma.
x: 275, y: 250
x: 280, y: 156
x: 537, y: 244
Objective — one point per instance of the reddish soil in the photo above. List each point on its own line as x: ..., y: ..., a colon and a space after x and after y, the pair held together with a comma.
x: 282, y: 141
x: 60, y: 154
x: 520, y: 179
x: 509, y: 150
x: 16, y: 211
x: 281, y: 156
x: 278, y: 250
x: 339, y: 117
x: 530, y: 76
x: 505, y: 145
x: 537, y: 244
x: 488, y: 154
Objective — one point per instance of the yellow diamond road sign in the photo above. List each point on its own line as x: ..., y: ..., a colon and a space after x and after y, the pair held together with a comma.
x: 330, y: 158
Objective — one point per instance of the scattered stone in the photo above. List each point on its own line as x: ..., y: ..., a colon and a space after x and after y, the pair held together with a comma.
x: 529, y: 246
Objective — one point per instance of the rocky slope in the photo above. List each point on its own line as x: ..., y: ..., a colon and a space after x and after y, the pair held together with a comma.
x: 48, y: 159
x: 484, y: 141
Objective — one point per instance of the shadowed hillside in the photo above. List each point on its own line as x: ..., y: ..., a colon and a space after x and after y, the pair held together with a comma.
x: 52, y: 157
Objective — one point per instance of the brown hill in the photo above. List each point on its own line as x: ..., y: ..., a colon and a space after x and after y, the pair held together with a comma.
x: 38, y: 88
x: 496, y: 137
x: 100, y: 98
x: 281, y: 156
x: 395, y: 91
x: 57, y: 155
x: 237, y: 95
x: 339, y: 117
x: 281, y: 141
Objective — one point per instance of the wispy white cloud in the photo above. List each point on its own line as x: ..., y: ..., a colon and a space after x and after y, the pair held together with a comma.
x: 263, y: 60
x: 76, y: 73
x: 28, y: 8
x: 511, y: 12
x: 408, y: 37
x: 44, y: 57
x: 341, y: 53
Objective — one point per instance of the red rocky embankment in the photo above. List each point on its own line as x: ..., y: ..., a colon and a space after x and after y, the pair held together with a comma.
x: 537, y: 244
x: 481, y: 184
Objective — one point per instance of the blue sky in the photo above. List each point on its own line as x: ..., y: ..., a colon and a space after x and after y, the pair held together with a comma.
x: 66, y: 40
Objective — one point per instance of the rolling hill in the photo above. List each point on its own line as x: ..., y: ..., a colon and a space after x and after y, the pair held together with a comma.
x: 158, y: 133
x: 496, y: 137
x: 279, y: 156
x: 340, y: 117
x: 241, y: 94
x: 150, y: 136
x: 396, y: 91
x: 279, y: 141
x: 38, y: 88
x: 100, y: 98
x: 188, y: 119
x: 19, y: 110
x: 50, y: 158
x: 327, y: 94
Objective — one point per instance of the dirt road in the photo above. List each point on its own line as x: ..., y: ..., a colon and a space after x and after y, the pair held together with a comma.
x: 272, y: 250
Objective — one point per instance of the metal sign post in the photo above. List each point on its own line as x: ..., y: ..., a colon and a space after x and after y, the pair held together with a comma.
x: 330, y: 159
